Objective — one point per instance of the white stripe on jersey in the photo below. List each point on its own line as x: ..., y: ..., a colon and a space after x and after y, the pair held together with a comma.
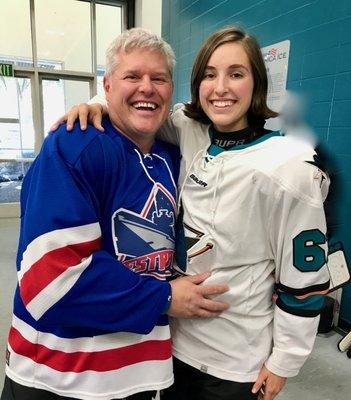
x: 56, y: 289
x: 92, y: 385
x: 95, y: 343
x: 54, y: 240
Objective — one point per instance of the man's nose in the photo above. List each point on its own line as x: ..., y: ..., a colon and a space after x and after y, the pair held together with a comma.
x: 146, y: 85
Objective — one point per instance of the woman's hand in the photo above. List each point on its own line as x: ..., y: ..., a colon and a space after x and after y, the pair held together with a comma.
x: 91, y: 113
x: 268, y: 384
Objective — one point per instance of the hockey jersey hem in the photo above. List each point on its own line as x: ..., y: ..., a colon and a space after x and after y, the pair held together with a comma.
x: 86, y: 396
x: 215, y: 371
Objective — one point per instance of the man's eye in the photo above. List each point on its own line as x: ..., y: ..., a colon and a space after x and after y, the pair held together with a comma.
x: 131, y: 77
x: 159, y: 79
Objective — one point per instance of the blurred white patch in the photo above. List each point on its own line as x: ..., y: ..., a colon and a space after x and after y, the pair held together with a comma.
x: 293, y: 119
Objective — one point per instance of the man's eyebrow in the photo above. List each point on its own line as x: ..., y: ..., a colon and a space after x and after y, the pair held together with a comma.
x: 162, y: 73
x: 138, y: 72
x: 131, y: 71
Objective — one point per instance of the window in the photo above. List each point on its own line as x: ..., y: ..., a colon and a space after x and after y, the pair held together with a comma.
x: 59, y: 95
x: 63, y: 33
x: 106, y: 29
x: 58, y: 58
x: 16, y: 118
x: 15, y: 42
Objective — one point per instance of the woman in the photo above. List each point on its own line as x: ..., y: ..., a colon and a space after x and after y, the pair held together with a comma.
x: 252, y: 210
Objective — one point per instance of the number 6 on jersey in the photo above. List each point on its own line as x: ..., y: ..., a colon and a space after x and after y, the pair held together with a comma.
x: 307, y: 253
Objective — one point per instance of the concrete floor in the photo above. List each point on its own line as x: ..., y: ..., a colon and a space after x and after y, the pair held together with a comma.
x: 325, y: 376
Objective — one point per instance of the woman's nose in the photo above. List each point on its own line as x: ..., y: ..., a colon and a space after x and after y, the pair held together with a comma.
x: 221, y: 86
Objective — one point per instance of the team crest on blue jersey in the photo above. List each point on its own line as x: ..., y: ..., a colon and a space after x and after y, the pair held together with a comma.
x: 144, y: 242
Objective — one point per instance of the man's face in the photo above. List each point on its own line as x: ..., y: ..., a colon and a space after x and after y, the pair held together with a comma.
x: 139, y: 93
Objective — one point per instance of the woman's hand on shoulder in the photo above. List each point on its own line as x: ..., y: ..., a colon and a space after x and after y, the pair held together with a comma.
x: 86, y: 113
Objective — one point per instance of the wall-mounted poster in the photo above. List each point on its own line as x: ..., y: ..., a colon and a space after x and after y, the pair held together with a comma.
x: 276, y: 58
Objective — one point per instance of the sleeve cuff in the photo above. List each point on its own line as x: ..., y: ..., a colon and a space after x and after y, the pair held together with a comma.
x: 169, y: 301
x: 276, y: 362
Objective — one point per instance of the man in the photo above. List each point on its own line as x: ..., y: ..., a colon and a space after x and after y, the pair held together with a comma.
x: 96, y: 247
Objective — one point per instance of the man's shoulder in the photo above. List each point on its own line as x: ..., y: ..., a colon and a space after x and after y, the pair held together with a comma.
x: 76, y: 135
x: 167, y: 149
x: 166, y: 146
x: 71, y: 145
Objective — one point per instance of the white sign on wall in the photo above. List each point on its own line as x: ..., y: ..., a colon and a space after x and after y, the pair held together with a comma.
x: 276, y: 58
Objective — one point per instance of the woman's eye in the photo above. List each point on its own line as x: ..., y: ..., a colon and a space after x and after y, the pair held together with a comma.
x: 237, y: 75
x: 209, y: 75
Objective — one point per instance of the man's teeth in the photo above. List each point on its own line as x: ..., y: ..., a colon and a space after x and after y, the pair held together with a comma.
x: 222, y: 103
x: 144, y: 104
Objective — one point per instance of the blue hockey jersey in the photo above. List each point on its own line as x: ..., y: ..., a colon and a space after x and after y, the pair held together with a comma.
x: 96, y: 248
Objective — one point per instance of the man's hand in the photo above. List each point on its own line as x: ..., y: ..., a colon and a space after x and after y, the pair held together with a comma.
x: 189, y: 298
x: 269, y: 383
x: 91, y: 113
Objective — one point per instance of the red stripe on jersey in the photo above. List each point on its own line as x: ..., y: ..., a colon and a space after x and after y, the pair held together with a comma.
x: 52, y: 265
x: 99, y: 361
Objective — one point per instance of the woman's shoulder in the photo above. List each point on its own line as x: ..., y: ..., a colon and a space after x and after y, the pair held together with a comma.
x: 296, y: 171
x: 180, y: 119
x: 178, y: 115
x: 178, y: 106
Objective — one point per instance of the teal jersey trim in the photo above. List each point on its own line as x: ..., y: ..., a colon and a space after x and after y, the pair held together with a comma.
x: 214, y: 150
x: 313, y: 302
x: 311, y: 306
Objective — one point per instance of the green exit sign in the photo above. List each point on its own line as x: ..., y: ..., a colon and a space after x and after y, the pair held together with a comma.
x: 6, y: 69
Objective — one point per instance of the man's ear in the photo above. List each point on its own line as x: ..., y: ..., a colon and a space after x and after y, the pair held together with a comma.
x: 107, y: 85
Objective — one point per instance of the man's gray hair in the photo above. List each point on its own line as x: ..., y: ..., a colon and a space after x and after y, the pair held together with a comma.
x: 137, y: 38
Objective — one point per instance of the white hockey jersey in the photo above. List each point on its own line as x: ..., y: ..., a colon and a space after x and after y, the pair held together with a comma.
x: 254, y: 217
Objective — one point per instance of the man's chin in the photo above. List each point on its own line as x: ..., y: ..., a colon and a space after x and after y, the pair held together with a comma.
x: 148, y: 129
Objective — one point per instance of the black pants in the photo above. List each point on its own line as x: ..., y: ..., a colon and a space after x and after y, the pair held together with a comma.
x: 192, y: 384
x: 15, y: 391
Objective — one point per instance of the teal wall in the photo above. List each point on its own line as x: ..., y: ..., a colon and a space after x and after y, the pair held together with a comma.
x: 319, y: 65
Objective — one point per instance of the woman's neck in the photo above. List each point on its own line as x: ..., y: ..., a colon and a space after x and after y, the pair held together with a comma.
x: 227, y: 140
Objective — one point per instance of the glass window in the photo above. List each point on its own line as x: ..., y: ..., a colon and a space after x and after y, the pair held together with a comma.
x: 100, y: 81
x: 11, y: 176
x: 14, y: 42
x: 63, y: 34
x: 59, y: 95
x: 108, y: 26
x: 16, y: 119
x: 63, y: 43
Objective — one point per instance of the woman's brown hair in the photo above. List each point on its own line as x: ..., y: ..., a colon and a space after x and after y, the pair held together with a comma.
x: 258, y: 111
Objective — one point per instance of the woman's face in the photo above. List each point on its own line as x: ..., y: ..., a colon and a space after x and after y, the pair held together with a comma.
x: 226, y: 89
